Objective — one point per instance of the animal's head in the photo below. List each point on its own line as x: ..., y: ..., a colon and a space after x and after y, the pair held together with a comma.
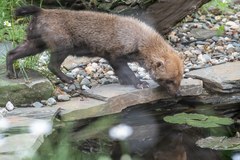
x: 167, y: 71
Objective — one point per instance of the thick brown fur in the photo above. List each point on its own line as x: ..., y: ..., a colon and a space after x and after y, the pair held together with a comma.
x: 116, y: 38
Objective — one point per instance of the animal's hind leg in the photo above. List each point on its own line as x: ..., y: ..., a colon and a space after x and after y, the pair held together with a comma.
x: 29, y: 48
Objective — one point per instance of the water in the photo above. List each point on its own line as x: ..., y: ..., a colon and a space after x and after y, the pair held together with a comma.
x: 152, y: 138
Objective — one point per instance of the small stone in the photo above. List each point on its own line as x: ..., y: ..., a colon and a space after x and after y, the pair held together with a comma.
x: 133, y: 66
x: 72, y: 87
x: 82, y: 72
x: 69, y: 74
x: 235, y: 54
x: 9, y: 106
x: 233, y: 25
x: 51, y: 101
x: 95, y: 66
x: 37, y: 105
x: 196, y: 52
x: 110, y: 73
x: 85, y: 81
x: 63, y: 97
x: 102, y: 60
x: 104, y: 81
x: 90, y: 70
x: 84, y: 87
x: 75, y: 72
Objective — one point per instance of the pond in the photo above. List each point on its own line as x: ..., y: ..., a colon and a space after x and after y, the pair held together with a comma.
x: 150, y: 137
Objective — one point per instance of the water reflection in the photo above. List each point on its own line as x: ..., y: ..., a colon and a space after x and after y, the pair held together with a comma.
x: 147, y: 136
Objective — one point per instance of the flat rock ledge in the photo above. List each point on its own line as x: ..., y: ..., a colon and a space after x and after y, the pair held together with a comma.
x: 223, y: 78
x: 18, y: 91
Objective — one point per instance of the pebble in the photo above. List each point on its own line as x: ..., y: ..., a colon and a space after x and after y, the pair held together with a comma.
x: 85, y: 81
x: 51, y: 101
x: 9, y: 106
x: 63, y: 97
x: 84, y: 87
x: 37, y: 105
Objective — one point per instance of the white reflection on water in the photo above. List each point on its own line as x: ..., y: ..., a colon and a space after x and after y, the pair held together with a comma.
x: 41, y: 127
x: 4, y: 124
x: 120, y: 132
x: 236, y: 156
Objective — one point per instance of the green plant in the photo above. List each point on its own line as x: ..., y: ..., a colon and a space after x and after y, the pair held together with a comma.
x: 220, y: 30
x: 222, y: 5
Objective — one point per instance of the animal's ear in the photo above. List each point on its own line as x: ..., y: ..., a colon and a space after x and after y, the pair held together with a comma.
x: 160, y: 63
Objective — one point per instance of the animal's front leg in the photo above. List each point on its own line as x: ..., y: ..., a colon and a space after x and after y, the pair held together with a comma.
x: 125, y: 75
x: 56, y: 60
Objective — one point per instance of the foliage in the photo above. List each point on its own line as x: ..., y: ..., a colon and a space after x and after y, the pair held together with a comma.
x: 198, y: 120
x: 220, y: 143
x: 220, y: 30
x: 222, y: 5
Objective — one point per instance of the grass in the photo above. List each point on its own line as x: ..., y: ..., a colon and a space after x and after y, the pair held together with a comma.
x: 222, y: 5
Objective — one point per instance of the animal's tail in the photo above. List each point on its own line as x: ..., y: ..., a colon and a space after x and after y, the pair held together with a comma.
x: 27, y: 10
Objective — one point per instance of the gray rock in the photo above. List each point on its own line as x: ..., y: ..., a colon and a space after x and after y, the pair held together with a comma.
x: 19, y: 92
x: 109, y: 73
x: 72, y: 87
x: 69, y: 74
x: 104, y: 81
x: 191, y: 87
x: 85, y: 81
x: 75, y: 72
x: 63, y: 97
x: 51, y: 101
x: 37, y: 105
x: 102, y: 60
x: 223, y: 78
x: 202, y: 33
x: 84, y: 87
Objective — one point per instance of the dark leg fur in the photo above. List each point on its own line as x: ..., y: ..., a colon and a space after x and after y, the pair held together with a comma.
x: 54, y: 65
x: 29, y: 48
x: 125, y: 75
x: 57, y: 57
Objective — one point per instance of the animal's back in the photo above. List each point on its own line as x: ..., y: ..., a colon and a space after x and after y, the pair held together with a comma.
x: 99, y: 31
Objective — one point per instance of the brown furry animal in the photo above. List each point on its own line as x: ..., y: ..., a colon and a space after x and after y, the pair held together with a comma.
x: 84, y: 33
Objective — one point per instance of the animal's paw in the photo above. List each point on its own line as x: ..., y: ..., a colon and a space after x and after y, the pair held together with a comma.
x: 142, y: 85
x: 11, y: 75
x: 66, y: 79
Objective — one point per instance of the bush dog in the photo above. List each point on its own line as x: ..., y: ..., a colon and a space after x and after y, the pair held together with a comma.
x: 118, y: 39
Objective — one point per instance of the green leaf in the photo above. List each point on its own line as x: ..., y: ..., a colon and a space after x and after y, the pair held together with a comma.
x: 198, y: 120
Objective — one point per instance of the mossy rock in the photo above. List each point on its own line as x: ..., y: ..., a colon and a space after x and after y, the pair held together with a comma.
x: 18, y: 91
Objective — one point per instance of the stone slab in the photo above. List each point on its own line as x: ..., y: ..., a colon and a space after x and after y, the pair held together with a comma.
x: 20, y: 144
x: 80, y: 109
x: 118, y: 97
x: 191, y: 87
x: 223, y: 78
x: 18, y: 91
x: 29, y: 113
